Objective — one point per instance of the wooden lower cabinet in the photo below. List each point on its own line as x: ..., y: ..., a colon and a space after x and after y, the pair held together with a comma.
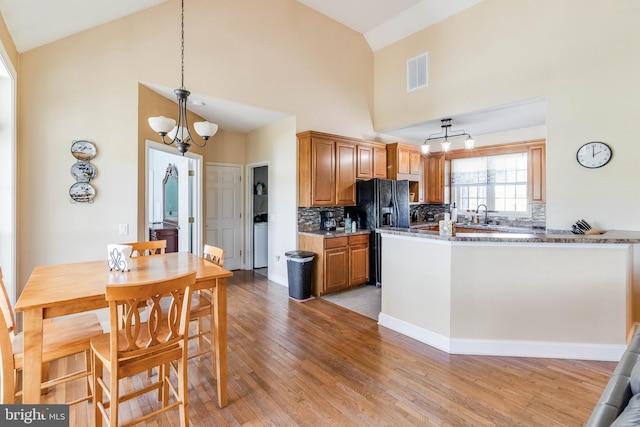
x: 336, y: 269
x: 358, y: 261
x: 340, y: 262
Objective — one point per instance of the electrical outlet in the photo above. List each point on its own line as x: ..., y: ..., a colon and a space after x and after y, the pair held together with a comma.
x: 124, y: 229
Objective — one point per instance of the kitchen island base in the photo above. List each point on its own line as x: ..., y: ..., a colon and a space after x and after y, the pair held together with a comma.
x: 559, y: 300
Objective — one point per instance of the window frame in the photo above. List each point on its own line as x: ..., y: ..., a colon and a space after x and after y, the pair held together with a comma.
x: 536, y: 166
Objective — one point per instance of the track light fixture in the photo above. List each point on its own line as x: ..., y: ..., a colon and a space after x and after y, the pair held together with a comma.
x: 445, y: 134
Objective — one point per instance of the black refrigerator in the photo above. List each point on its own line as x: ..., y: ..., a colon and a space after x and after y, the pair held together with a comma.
x: 380, y: 203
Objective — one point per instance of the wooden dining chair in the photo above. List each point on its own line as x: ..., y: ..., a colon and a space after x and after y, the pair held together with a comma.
x: 138, y: 346
x: 214, y: 254
x: 203, y: 306
x: 151, y: 248
x: 61, y: 339
x: 154, y: 247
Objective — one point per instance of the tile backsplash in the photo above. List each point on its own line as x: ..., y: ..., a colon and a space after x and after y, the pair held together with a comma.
x: 309, y: 218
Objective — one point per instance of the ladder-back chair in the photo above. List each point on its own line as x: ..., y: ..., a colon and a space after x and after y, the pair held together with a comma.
x: 137, y: 346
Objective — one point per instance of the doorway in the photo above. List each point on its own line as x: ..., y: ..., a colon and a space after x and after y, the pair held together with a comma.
x: 224, y: 211
x: 186, y: 172
x: 257, y: 203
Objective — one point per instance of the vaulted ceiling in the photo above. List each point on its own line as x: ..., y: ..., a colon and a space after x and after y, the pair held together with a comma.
x: 33, y: 23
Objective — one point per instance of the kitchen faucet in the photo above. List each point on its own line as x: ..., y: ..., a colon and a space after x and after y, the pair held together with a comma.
x: 486, y: 212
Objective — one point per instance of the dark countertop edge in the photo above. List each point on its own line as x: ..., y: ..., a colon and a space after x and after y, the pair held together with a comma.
x: 336, y: 233
x: 609, y: 237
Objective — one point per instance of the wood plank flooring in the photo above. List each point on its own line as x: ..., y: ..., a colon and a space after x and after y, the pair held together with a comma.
x: 318, y: 364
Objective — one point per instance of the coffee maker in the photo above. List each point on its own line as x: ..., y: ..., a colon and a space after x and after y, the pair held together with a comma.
x: 327, y: 221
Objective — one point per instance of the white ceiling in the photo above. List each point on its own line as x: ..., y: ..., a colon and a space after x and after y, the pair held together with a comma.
x: 33, y: 23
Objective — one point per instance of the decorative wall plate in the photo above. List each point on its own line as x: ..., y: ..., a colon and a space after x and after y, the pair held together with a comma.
x: 83, y: 150
x: 82, y: 192
x: 83, y: 171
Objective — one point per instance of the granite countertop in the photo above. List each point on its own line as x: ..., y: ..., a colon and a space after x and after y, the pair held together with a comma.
x: 612, y: 236
x: 494, y: 227
x: 339, y: 232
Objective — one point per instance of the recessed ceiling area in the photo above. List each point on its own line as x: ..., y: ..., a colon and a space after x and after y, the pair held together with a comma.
x: 517, y: 115
x: 229, y: 116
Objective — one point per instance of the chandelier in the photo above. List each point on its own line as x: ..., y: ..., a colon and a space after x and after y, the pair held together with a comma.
x: 179, y: 133
x: 446, y: 144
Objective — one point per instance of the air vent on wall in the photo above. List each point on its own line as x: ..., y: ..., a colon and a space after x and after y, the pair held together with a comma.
x: 418, y: 72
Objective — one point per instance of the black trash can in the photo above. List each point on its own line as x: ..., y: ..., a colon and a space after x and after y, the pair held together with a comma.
x: 299, y: 267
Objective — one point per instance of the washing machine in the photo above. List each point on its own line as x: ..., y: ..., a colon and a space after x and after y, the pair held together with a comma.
x: 260, y: 244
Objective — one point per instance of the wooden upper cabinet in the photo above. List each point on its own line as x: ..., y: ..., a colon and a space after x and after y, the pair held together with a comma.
x: 403, y: 161
x: 371, y: 160
x: 434, y: 178
x: 380, y: 161
x: 364, y: 169
x: 537, y: 172
x: 345, y: 174
x: 326, y: 170
x: 323, y: 167
x: 414, y: 162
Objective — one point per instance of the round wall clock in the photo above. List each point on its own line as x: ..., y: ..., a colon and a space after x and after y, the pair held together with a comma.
x: 594, y: 154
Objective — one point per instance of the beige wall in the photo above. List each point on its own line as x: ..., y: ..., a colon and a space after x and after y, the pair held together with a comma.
x: 279, y: 55
x: 276, y: 144
x: 580, y: 55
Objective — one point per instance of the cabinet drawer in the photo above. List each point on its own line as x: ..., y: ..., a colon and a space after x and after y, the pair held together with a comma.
x: 336, y: 242
x: 359, y: 239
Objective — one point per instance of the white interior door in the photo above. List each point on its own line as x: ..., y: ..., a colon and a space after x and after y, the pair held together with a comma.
x: 224, y: 212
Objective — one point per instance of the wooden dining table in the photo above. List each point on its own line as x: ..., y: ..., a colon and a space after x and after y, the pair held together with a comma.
x: 58, y: 290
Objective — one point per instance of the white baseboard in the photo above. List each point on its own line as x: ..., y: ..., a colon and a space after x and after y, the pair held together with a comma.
x: 555, y: 350
x: 280, y: 280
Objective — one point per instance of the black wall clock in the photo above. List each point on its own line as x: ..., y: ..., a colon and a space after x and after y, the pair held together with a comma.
x: 594, y: 154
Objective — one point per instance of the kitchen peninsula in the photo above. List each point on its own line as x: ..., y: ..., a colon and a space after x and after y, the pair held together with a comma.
x: 530, y: 295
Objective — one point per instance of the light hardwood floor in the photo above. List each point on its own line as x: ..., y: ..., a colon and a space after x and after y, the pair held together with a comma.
x: 318, y: 364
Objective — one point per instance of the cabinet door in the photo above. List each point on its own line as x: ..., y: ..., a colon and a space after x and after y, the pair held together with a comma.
x: 358, y: 264
x: 346, y: 174
x: 323, y: 170
x: 335, y: 269
x: 365, y: 160
x: 434, y: 178
x: 380, y: 162
x: 404, y: 160
x: 414, y: 162
x: 537, y: 170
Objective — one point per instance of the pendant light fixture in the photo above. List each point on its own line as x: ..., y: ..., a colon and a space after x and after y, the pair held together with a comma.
x: 445, y: 134
x: 179, y: 133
